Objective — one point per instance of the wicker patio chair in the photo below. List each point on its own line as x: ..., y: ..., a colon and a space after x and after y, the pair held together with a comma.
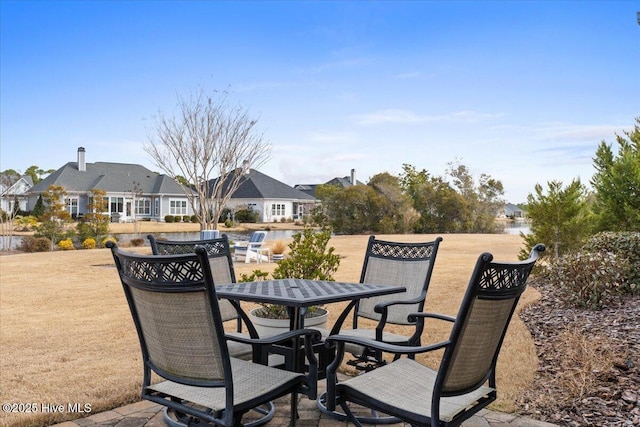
x: 173, y: 302
x: 221, y: 263
x: 390, y: 263
x: 465, y: 381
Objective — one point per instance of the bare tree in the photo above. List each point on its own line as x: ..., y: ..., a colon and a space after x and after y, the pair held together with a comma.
x: 211, y: 144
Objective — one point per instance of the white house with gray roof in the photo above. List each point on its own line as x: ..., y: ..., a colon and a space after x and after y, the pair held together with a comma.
x: 13, y: 190
x: 272, y: 199
x: 134, y: 192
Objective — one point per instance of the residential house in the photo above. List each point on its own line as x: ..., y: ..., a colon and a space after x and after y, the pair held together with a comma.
x: 133, y: 191
x: 512, y: 211
x: 272, y: 199
x: 13, y: 189
x: 344, y: 182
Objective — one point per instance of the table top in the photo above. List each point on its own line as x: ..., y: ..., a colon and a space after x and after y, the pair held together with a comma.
x: 302, y: 292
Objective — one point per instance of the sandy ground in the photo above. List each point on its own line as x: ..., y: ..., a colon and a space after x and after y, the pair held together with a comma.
x: 66, y: 333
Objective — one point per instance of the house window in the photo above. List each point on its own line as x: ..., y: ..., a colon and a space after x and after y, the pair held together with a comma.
x: 156, y: 208
x: 72, y: 206
x: 143, y: 207
x: 277, y: 209
x: 117, y: 205
x: 178, y: 207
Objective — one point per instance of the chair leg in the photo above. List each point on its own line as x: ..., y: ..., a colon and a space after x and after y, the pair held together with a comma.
x: 294, y: 408
x: 349, y: 414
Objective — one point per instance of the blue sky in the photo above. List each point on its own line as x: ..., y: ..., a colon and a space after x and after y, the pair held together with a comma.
x: 522, y: 91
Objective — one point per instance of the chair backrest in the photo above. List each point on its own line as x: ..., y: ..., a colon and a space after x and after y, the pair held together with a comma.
x: 220, y: 260
x: 476, y: 337
x: 257, y: 237
x: 401, y: 264
x: 175, y: 310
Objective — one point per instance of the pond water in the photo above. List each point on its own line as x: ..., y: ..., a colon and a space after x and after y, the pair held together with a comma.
x: 127, y: 237
x: 195, y: 235
x: 516, y: 227
x: 511, y: 228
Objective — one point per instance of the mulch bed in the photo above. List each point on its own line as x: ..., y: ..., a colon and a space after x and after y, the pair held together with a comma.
x: 589, y: 373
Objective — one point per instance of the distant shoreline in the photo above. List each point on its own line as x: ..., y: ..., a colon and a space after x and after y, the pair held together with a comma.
x: 177, y: 227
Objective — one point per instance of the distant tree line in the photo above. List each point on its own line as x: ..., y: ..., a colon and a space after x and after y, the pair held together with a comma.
x: 414, y: 202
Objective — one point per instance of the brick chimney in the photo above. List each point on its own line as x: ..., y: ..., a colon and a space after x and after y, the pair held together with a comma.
x: 82, y: 165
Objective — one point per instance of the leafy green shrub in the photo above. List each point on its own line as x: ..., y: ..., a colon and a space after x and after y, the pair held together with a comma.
x: 89, y: 243
x: 309, y: 257
x: 588, y: 279
x: 169, y: 218
x: 194, y: 219
x: 66, y: 245
x: 35, y: 244
x: 228, y: 223
x: 625, y: 245
x: 247, y: 215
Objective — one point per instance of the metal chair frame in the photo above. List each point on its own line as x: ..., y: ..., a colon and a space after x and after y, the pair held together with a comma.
x: 178, y: 291
x: 465, y: 381
x: 387, y: 256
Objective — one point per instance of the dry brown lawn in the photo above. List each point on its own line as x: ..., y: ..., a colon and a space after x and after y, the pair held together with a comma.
x: 66, y: 334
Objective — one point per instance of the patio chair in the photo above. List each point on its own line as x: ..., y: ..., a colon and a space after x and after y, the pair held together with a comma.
x: 464, y: 383
x: 222, y: 272
x: 172, y: 299
x: 250, y: 249
x: 390, y: 263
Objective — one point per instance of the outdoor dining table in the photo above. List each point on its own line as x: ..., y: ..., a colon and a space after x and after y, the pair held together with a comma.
x: 300, y: 294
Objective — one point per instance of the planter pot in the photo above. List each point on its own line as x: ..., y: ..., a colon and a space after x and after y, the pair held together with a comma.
x: 270, y: 327
x: 277, y: 257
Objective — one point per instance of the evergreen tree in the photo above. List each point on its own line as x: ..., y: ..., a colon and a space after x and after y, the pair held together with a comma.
x: 617, y: 184
x: 559, y: 219
x: 38, y: 209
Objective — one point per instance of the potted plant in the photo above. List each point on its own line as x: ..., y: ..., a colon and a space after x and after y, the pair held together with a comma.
x: 277, y: 250
x: 309, y: 258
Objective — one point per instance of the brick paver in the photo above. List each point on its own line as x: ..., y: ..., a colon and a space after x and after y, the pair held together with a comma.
x: 148, y: 414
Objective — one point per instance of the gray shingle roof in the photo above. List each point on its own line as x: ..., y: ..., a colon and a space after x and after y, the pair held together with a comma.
x: 110, y: 177
x: 261, y: 186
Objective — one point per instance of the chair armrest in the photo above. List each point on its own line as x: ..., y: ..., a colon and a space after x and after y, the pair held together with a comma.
x: 341, y: 340
x: 383, y: 309
x: 315, y: 335
x: 384, y: 305
x: 414, y: 317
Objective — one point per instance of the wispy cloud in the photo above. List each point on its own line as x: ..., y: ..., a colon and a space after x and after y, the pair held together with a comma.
x: 250, y: 87
x: 333, y: 137
x: 409, y: 75
x: 398, y: 116
x: 336, y: 65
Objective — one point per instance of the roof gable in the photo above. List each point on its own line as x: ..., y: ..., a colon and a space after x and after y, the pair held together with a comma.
x: 260, y: 186
x: 15, y: 184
